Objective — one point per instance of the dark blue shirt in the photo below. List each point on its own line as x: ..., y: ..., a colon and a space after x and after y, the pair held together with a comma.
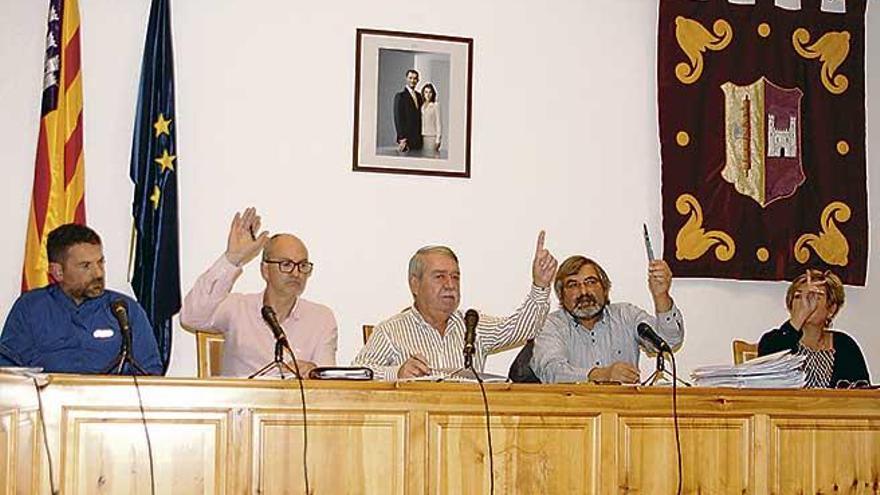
x: 46, y: 329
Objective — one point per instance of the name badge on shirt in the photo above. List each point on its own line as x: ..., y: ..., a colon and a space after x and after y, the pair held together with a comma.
x: 103, y: 333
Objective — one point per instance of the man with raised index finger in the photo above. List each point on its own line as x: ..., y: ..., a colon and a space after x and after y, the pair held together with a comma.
x: 429, y: 335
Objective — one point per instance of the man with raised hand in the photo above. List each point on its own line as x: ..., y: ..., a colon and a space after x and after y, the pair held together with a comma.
x: 430, y: 335
x: 592, y: 339
x: 249, y: 343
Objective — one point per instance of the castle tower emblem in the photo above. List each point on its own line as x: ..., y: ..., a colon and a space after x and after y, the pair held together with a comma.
x: 762, y: 124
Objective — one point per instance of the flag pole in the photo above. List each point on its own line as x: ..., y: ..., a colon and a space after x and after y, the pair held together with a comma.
x: 131, y: 251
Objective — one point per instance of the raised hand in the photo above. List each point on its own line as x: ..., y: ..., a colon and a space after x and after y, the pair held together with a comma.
x: 544, y: 265
x: 243, y: 243
x: 805, y: 302
x: 659, y: 282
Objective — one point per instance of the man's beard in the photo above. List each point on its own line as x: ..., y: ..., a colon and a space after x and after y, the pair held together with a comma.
x: 91, y: 290
x: 587, y: 307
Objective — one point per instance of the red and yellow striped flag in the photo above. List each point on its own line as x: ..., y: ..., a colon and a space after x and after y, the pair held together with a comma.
x: 59, y: 174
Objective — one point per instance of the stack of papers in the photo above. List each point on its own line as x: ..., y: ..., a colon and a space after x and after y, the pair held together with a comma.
x: 780, y: 370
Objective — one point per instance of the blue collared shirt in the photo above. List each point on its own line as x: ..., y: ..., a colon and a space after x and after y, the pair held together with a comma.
x: 46, y: 329
x: 565, y: 351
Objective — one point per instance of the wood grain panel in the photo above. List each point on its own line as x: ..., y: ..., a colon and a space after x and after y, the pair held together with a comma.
x: 29, y: 454
x: 8, y: 418
x: 533, y: 454
x: 245, y: 437
x: 716, y: 455
x: 106, y: 451
x: 825, y: 456
x: 348, y: 452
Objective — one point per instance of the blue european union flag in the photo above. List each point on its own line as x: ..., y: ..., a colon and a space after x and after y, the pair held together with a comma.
x: 156, y: 271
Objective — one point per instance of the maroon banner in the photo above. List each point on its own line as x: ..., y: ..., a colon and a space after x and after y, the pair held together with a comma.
x: 762, y: 137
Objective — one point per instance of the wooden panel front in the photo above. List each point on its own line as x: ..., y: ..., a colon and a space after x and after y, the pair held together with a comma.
x: 716, y: 455
x: 8, y: 419
x: 106, y: 451
x: 27, y: 455
x: 825, y: 456
x: 245, y: 437
x: 532, y: 454
x: 348, y: 452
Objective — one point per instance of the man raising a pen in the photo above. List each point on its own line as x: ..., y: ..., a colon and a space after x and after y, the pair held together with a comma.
x: 592, y: 339
x: 285, y: 266
x: 429, y: 336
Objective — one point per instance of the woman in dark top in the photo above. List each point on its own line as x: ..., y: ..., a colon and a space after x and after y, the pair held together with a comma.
x: 813, y: 300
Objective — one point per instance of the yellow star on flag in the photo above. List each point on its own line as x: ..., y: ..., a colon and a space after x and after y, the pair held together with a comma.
x: 166, y: 161
x: 154, y: 198
x: 162, y: 126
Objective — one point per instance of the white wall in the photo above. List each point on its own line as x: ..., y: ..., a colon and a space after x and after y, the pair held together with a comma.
x: 265, y: 101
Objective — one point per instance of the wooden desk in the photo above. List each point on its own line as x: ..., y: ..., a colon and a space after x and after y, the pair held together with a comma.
x: 235, y: 436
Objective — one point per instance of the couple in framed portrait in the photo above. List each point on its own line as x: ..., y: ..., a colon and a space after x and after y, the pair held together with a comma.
x: 417, y: 117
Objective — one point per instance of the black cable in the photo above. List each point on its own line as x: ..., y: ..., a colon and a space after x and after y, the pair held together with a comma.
x: 488, y: 431
x: 45, y: 436
x: 137, y: 388
x: 675, y: 418
x: 302, y: 394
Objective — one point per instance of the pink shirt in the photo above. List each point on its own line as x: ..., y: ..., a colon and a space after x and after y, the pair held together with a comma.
x: 249, y: 345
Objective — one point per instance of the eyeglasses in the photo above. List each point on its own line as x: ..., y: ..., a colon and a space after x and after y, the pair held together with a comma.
x: 589, y: 283
x: 287, y: 266
x: 855, y: 384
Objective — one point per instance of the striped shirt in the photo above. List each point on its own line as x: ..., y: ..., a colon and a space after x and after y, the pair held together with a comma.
x: 398, y: 338
x: 565, y: 351
x: 818, y: 366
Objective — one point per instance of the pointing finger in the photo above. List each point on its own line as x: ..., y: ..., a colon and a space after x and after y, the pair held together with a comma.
x: 540, y: 246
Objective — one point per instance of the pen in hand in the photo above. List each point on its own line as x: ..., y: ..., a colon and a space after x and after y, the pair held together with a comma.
x: 421, y: 359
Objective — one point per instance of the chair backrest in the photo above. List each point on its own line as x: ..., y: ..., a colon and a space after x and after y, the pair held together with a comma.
x: 744, y: 351
x: 209, y: 352
x: 367, y: 330
x: 520, y: 371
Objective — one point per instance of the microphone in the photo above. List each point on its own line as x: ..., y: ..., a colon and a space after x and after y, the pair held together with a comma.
x: 120, y: 311
x: 471, y: 318
x: 272, y: 320
x: 647, y: 333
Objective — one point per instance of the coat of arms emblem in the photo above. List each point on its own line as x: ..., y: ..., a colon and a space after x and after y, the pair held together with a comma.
x: 763, y: 140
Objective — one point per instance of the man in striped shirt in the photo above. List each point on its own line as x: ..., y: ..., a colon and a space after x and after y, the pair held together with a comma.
x: 428, y: 337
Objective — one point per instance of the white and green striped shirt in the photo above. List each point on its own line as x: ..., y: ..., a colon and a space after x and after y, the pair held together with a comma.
x: 398, y: 338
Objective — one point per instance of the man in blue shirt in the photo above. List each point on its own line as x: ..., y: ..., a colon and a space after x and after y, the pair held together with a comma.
x: 68, y: 327
x: 592, y: 339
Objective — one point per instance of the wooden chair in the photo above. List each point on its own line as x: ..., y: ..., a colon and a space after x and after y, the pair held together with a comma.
x: 367, y: 331
x: 744, y: 351
x: 209, y: 352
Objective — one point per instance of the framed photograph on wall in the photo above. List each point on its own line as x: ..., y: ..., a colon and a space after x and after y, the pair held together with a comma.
x: 412, y: 103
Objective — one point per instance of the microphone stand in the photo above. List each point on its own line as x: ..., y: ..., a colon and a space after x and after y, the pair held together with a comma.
x: 276, y: 364
x: 467, y: 372
x: 661, y: 373
x: 124, y: 357
x: 471, y: 319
